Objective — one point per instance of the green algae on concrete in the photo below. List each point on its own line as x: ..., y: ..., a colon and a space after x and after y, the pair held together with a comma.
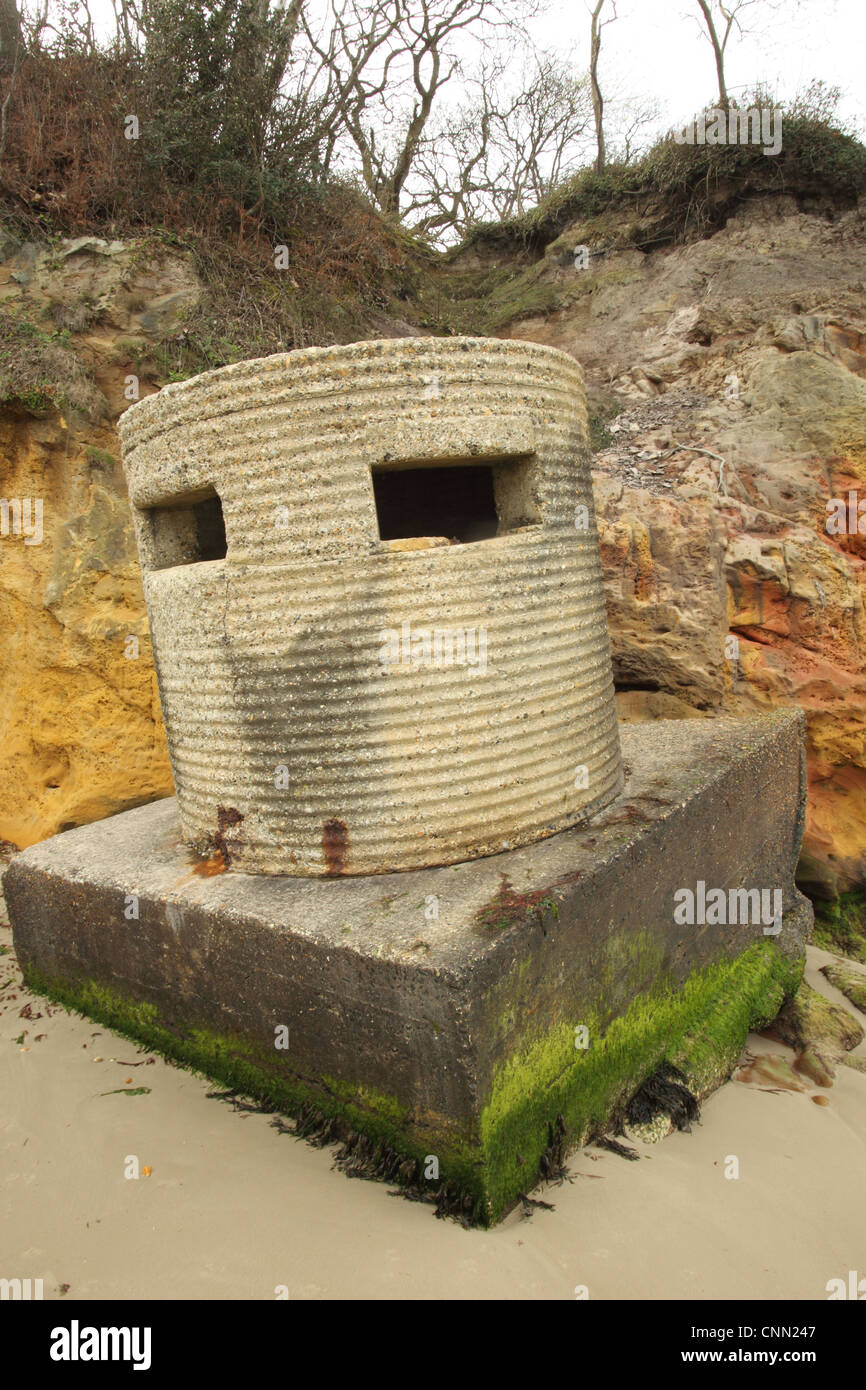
x: 699, y: 1027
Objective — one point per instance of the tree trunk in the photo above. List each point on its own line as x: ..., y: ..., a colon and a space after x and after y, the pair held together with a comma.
x: 10, y: 35
x: 718, y: 51
x: 597, y: 99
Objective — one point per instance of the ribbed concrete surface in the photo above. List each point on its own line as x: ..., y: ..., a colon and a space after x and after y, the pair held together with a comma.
x: 271, y: 658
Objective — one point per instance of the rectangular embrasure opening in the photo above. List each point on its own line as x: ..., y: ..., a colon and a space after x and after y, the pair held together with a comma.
x: 462, y: 502
x: 187, y: 532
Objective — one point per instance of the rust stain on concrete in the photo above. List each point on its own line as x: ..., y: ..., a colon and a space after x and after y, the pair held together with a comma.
x: 335, y: 846
x: 227, y: 816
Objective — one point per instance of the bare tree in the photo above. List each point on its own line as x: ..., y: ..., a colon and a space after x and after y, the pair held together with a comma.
x: 502, y: 151
x: 80, y: 22
x: 12, y: 50
x: 383, y: 64
x: 127, y: 29
x: 631, y: 118
x: 721, y: 18
x: 11, y: 38
x: 596, y: 26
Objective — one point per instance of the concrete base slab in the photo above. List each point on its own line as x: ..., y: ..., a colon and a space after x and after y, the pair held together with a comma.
x: 473, y: 1022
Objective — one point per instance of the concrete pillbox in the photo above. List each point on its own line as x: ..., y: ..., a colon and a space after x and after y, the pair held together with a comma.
x: 373, y: 581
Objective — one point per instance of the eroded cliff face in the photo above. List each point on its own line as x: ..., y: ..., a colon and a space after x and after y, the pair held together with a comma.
x: 80, y: 727
x: 728, y: 378
x: 733, y: 371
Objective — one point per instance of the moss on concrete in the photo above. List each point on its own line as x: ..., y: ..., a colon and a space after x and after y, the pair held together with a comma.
x: 699, y: 1027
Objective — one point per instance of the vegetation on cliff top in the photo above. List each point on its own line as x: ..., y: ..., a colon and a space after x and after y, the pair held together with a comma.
x: 684, y: 191
x: 347, y: 272
x: 198, y: 133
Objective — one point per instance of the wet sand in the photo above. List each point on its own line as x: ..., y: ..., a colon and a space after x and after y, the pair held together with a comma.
x: 235, y: 1210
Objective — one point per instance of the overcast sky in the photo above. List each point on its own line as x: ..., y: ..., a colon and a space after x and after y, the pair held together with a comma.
x: 655, y: 49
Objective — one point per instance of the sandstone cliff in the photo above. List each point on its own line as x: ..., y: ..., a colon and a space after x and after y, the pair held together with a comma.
x: 733, y: 370
x: 80, y: 725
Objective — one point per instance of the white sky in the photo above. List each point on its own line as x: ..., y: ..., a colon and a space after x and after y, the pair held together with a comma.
x: 656, y: 50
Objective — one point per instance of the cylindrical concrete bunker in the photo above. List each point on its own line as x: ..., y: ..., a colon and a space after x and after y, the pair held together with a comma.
x: 373, y: 581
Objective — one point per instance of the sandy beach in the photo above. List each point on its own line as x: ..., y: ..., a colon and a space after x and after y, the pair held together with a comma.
x: 234, y: 1209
